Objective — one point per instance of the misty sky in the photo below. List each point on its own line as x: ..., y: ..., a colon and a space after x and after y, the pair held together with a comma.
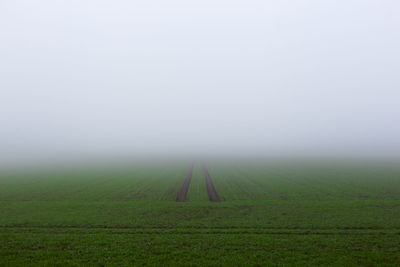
x: 95, y: 77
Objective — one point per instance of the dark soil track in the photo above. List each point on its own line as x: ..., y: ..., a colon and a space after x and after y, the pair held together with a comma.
x: 181, y: 197
x: 212, y: 193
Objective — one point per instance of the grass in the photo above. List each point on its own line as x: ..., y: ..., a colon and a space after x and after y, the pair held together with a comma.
x: 123, y: 247
x: 273, y: 213
x: 158, y: 182
x: 197, y: 189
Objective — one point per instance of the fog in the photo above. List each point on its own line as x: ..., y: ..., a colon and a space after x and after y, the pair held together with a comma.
x: 87, y: 79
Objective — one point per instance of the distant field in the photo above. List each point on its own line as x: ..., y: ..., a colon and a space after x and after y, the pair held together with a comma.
x: 275, y: 212
x: 142, y: 182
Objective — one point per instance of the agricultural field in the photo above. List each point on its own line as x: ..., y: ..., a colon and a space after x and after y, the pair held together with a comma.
x: 269, y: 212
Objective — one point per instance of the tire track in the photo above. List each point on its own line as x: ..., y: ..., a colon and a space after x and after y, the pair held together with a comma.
x: 181, y: 197
x: 80, y: 230
x: 212, y: 193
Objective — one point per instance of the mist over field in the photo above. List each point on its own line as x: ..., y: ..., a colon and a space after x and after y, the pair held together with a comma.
x: 119, y: 79
x: 201, y: 133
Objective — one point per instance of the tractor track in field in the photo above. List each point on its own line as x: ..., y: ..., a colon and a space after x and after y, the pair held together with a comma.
x: 212, y: 193
x: 198, y: 230
x: 182, y: 194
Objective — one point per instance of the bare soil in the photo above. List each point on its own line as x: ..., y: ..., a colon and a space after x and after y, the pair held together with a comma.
x: 182, y: 194
x: 212, y: 193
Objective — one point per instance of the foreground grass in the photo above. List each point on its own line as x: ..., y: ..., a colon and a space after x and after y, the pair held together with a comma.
x: 383, y: 214
x: 27, y: 247
x: 275, y: 213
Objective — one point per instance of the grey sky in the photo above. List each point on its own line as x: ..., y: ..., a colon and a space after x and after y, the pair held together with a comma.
x: 119, y: 77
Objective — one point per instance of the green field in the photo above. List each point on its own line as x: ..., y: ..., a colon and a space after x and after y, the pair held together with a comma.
x: 286, y: 212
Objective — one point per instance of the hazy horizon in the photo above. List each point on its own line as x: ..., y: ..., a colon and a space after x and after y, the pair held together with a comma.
x: 101, y: 79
